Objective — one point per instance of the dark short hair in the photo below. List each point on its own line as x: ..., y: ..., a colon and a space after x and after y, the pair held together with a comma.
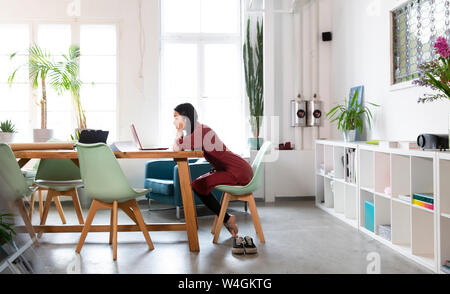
x: 188, y: 110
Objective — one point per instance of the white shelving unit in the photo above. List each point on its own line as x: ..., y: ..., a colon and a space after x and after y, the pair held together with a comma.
x: 384, y: 174
x: 335, y: 192
x: 443, y: 214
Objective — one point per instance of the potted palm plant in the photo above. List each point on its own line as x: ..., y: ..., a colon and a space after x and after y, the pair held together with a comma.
x: 60, y: 75
x: 351, y: 117
x: 254, y: 80
x: 7, y: 131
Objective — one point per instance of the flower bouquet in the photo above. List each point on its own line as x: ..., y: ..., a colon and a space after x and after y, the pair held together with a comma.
x: 436, y: 73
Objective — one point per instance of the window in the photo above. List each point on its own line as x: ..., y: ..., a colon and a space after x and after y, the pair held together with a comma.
x: 14, y: 100
x: 98, y: 71
x: 416, y: 26
x: 56, y: 39
x: 98, y: 68
x: 201, y: 64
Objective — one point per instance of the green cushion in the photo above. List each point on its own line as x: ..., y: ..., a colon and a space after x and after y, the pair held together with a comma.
x: 164, y: 187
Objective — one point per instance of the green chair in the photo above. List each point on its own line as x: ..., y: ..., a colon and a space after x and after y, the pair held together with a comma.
x: 13, y: 186
x: 243, y: 193
x: 106, y: 184
x: 60, y: 177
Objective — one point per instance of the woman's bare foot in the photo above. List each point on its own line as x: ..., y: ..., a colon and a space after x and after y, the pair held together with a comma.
x: 231, y: 226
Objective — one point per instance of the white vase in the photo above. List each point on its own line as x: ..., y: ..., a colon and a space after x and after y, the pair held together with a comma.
x: 42, y: 135
x: 6, y: 137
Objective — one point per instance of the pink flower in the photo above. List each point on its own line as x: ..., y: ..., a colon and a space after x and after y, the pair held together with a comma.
x: 442, y: 47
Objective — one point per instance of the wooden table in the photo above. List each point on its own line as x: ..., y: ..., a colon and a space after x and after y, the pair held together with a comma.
x: 190, y: 225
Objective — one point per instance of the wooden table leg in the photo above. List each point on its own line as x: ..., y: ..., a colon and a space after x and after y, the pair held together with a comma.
x: 188, y: 204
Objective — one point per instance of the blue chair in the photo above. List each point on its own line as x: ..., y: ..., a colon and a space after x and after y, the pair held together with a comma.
x: 162, y: 178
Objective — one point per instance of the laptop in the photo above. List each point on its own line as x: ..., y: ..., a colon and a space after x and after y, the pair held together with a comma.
x: 138, y: 144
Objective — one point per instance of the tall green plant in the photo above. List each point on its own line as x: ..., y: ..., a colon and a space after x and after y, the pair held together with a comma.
x: 254, y: 76
x: 351, y: 117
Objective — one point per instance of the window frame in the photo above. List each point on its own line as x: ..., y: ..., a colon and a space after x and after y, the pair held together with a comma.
x: 392, y: 85
x: 33, y: 23
x: 201, y: 40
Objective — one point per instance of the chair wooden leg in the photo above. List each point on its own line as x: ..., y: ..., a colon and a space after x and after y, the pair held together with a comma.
x: 111, y: 225
x: 219, y: 224
x: 255, y: 218
x: 77, y: 206
x: 41, y: 204
x: 128, y: 212
x: 30, y: 215
x: 48, y: 202
x: 115, y: 211
x: 87, y: 225
x: 59, y: 208
x: 26, y: 220
x: 213, y: 229
x: 141, y: 224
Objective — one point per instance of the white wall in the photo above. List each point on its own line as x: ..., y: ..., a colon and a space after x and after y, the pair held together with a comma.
x: 361, y: 56
x: 294, y: 68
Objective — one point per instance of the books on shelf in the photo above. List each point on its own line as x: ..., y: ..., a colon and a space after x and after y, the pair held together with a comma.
x: 351, y: 167
x: 446, y: 267
x: 385, y: 231
x: 405, y: 198
x: 423, y: 204
x: 424, y: 200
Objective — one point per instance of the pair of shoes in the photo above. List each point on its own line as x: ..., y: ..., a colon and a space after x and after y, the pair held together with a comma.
x: 243, y: 245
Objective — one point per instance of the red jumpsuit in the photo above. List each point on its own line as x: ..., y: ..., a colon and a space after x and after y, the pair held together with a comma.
x: 228, y: 167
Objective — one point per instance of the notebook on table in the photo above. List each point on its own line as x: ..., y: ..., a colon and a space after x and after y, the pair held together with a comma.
x: 138, y: 143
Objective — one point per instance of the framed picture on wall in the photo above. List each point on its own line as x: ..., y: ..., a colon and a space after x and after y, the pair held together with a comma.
x: 353, y: 90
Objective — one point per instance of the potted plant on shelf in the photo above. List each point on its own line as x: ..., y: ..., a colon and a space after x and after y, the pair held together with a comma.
x: 351, y: 117
x: 7, y: 131
x: 254, y: 81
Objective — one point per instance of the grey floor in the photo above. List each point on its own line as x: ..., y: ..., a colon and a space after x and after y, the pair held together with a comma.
x: 300, y: 238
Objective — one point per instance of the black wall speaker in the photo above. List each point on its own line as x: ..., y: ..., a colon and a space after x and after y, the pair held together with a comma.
x: 327, y: 36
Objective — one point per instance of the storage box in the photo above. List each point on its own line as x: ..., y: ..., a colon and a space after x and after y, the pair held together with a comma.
x: 369, y: 216
x: 385, y: 231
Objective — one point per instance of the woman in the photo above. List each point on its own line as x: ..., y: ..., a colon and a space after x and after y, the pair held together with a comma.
x: 228, y: 168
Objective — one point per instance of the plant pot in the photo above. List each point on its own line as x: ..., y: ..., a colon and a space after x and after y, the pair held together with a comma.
x: 42, y: 135
x: 255, y: 143
x: 6, y: 137
x: 350, y: 136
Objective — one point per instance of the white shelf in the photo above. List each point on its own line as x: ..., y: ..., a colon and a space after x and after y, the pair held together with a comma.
x: 422, y: 208
x: 401, y: 201
x: 415, y: 229
x: 445, y: 215
x: 339, y: 216
x: 383, y: 195
x: 370, y: 190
